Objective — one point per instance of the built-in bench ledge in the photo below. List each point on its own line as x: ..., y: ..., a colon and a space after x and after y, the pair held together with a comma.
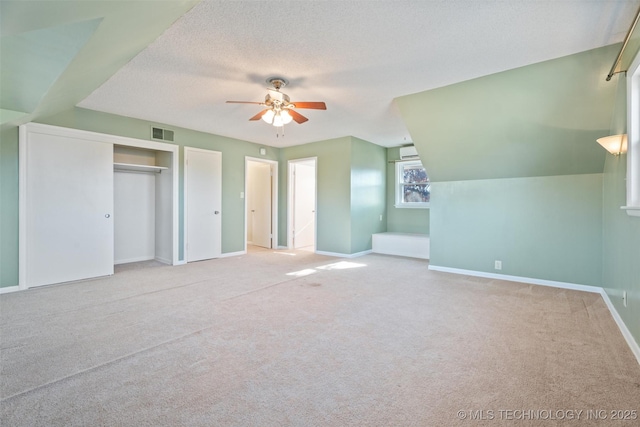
x: 402, y: 244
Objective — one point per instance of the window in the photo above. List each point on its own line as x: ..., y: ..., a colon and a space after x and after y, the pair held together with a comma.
x: 412, y: 185
x: 633, y: 138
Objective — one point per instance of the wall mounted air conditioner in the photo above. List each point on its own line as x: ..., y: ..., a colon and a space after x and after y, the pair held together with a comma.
x: 408, y: 153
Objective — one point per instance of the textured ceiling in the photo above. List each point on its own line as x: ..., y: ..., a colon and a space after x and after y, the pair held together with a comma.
x: 357, y: 56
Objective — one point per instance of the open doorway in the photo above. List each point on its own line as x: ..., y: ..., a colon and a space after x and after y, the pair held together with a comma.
x: 302, y: 204
x: 261, y: 201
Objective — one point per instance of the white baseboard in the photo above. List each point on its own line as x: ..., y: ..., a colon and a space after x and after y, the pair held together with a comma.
x: 341, y: 255
x: 631, y: 342
x: 136, y: 259
x: 164, y: 260
x: 230, y: 254
x: 224, y: 255
x: 635, y: 348
x: 282, y: 247
x: 9, y: 289
x: 532, y: 281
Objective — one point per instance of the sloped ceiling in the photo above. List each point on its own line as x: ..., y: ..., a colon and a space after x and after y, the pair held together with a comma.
x: 55, y: 53
x: 538, y: 120
x: 34, y: 60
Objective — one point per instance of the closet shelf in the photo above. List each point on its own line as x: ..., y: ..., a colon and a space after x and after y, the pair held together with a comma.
x: 138, y: 168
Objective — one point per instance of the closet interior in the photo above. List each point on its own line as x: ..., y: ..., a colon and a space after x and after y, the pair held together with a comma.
x: 142, y: 182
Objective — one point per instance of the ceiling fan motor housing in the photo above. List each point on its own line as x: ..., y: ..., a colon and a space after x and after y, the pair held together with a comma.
x: 277, y: 82
x: 276, y: 99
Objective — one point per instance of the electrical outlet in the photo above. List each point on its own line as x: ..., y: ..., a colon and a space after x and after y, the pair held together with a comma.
x: 498, y: 265
x: 380, y: 217
x: 624, y: 298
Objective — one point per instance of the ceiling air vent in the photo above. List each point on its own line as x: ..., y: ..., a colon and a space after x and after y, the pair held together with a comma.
x: 160, y: 134
x: 408, y: 153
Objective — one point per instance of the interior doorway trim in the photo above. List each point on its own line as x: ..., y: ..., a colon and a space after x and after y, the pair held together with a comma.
x: 274, y: 198
x: 290, y: 201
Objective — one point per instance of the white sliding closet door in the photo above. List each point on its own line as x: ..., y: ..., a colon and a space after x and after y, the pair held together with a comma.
x: 68, y: 204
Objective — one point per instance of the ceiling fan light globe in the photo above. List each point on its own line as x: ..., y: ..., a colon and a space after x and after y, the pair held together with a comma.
x: 286, y: 117
x: 277, y: 120
x: 268, y: 116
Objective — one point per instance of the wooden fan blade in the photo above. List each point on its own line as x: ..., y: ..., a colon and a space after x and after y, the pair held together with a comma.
x: 259, y: 115
x: 244, y: 102
x: 299, y: 118
x: 311, y: 105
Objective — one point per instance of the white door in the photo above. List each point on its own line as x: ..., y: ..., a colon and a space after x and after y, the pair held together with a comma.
x: 259, y: 198
x: 68, y: 209
x: 304, y: 204
x: 203, y: 203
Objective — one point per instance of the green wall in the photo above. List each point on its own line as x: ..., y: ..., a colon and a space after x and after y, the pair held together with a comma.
x: 368, y: 193
x: 233, y: 155
x: 620, y: 232
x: 8, y: 206
x: 351, y: 191
x: 402, y: 220
x: 543, y: 227
x: 332, y: 191
x: 621, y: 246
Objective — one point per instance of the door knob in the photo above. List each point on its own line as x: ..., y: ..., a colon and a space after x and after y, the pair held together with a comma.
x: 107, y: 216
x: 216, y: 212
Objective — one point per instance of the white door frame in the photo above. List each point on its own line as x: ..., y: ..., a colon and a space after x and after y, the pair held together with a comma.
x: 290, y: 163
x: 274, y: 199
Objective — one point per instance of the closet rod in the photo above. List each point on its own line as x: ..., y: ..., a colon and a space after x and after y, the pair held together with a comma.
x: 624, y: 45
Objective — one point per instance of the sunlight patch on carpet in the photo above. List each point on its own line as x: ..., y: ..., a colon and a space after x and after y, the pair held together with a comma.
x: 342, y: 265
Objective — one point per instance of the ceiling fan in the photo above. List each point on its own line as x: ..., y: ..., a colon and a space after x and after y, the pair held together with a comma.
x: 280, y: 109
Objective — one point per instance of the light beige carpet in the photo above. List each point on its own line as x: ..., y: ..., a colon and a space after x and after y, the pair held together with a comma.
x: 277, y: 338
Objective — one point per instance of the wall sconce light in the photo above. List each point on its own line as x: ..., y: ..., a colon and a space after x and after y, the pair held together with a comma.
x: 614, y: 144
